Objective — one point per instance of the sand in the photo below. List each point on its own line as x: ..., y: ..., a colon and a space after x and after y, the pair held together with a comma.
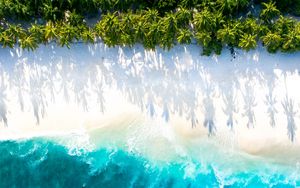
x: 175, y: 100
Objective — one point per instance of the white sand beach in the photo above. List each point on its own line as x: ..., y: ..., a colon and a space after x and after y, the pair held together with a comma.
x: 174, y: 99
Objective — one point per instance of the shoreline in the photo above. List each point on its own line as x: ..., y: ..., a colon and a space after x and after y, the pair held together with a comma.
x: 134, y: 79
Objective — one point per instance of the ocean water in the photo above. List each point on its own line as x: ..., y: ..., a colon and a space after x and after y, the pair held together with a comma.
x: 47, y: 162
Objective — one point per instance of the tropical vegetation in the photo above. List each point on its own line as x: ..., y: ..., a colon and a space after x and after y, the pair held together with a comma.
x: 213, y: 24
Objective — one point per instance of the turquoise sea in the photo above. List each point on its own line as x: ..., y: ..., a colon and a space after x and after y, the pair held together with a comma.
x: 43, y: 162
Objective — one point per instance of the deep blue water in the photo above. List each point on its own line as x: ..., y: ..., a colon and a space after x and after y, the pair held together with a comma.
x: 45, y: 163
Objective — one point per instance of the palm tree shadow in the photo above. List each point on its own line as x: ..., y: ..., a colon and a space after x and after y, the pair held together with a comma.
x: 37, y: 92
x: 208, y: 106
x: 80, y: 87
x: 228, y: 88
x: 290, y: 113
x: 249, y: 99
x: 288, y: 106
x: 64, y: 70
x: 19, y: 80
x: 230, y: 102
x: 3, y: 99
x: 97, y: 78
x: 191, y: 109
x: 270, y: 99
x: 162, y: 83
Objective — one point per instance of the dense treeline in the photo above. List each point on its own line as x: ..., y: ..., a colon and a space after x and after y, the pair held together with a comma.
x: 286, y: 6
x: 54, y: 9
x: 213, y: 24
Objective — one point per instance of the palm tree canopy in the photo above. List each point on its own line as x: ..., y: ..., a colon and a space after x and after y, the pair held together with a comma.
x: 248, y: 42
x: 269, y: 11
x: 272, y: 41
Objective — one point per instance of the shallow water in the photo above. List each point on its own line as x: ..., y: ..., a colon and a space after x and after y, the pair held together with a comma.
x: 47, y: 162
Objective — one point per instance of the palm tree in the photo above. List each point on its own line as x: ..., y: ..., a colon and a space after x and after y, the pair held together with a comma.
x: 168, y: 28
x: 284, y: 24
x: 73, y: 18
x: 113, y: 5
x: 150, y: 15
x: 203, y: 38
x: 247, y: 41
x: 152, y: 36
x: 50, y: 13
x: 20, y: 10
x: 15, y: 31
x: 109, y: 29
x: 183, y: 17
x: 50, y: 32
x: 87, y: 35
x: 184, y: 36
x: 291, y: 41
x: 204, y: 21
x: 263, y: 30
x: 6, y: 40
x: 165, y: 5
x: 67, y: 33
x: 250, y: 25
x: 189, y: 3
x: 28, y: 42
x: 37, y: 32
x: 269, y: 11
x: 140, y: 29
x: 127, y: 24
x: 228, y: 35
x: 229, y: 6
x: 272, y: 41
x: 148, y: 29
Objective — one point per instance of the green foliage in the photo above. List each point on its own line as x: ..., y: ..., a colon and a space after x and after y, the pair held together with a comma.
x: 228, y: 7
x: 152, y: 36
x: 286, y: 6
x: 109, y: 29
x: 168, y: 30
x: 37, y: 31
x: 15, y: 32
x: 128, y: 22
x: 212, y: 23
x: 228, y: 35
x: 87, y: 35
x: 28, y: 42
x: 203, y: 38
x: 250, y: 25
x: 204, y: 20
x: 248, y: 42
x: 51, y: 13
x: 269, y: 11
x: 165, y: 5
x: 183, y: 17
x: 284, y: 25
x: 184, y: 36
x: 66, y: 34
x: 189, y: 3
x: 272, y: 41
x: 291, y: 41
x: 50, y: 32
x: 6, y: 40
